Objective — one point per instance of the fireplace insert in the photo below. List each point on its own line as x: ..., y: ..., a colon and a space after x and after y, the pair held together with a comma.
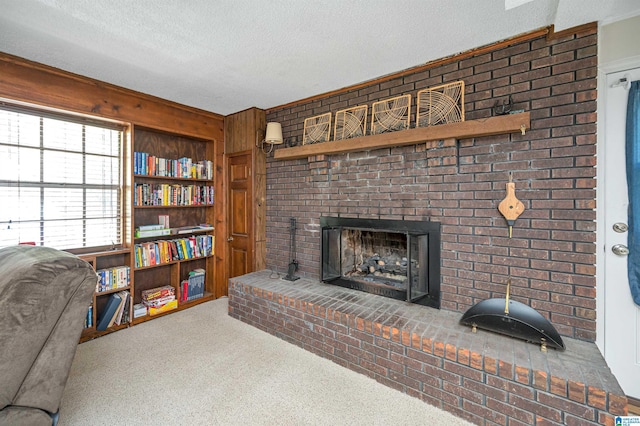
x: 393, y: 258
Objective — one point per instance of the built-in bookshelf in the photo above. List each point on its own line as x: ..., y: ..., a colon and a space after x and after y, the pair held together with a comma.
x: 113, y: 270
x: 173, y: 211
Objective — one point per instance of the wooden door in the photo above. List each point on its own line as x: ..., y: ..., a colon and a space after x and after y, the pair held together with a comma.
x: 621, y: 315
x: 240, y: 213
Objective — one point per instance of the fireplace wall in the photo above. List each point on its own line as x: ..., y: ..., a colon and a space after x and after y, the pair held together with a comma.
x: 551, y: 257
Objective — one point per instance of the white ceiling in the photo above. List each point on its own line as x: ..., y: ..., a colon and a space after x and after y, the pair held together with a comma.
x: 227, y: 55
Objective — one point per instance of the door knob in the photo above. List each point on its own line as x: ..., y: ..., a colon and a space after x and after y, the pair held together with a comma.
x: 620, y: 227
x: 620, y: 250
x: 230, y: 239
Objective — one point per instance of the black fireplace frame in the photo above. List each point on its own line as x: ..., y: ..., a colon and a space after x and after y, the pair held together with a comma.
x: 412, y: 229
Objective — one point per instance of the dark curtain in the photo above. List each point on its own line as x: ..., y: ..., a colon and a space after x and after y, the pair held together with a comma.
x: 633, y: 186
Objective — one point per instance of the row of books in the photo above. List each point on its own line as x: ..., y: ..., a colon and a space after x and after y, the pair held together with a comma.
x: 193, y: 287
x: 150, y: 165
x: 163, y: 194
x: 165, y: 251
x: 111, y: 278
x: 115, y: 312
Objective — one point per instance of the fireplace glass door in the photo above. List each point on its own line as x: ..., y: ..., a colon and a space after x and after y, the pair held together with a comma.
x: 394, y: 259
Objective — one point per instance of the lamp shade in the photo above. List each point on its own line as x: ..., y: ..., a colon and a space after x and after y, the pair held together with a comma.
x: 274, y: 134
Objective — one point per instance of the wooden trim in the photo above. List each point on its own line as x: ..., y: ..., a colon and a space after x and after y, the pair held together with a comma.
x: 5, y: 57
x: 220, y: 283
x: 553, y: 35
x: 464, y: 129
x: 438, y: 62
x: 37, y: 84
x: 634, y: 406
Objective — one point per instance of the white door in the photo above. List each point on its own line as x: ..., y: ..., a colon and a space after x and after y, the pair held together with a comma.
x: 621, y: 316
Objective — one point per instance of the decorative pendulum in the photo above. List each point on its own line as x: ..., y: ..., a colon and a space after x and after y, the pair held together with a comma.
x: 511, y: 207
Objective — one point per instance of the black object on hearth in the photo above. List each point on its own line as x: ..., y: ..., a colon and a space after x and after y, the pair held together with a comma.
x: 514, y: 319
x: 293, y: 265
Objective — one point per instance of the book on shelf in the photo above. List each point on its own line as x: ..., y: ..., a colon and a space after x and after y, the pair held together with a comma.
x: 164, y: 194
x: 152, y: 233
x: 139, y: 310
x: 126, y: 315
x: 146, y: 164
x: 112, y: 278
x: 152, y: 227
x: 88, y: 321
x: 193, y: 287
x: 165, y: 251
x: 193, y: 228
x: 108, y: 312
x: 118, y: 311
x: 120, y: 317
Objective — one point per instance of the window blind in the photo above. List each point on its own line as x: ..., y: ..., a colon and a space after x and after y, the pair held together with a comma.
x: 60, y: 180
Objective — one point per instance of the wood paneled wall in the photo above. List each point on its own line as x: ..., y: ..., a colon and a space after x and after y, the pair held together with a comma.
x: 30, y: 82
x: 243, y: 130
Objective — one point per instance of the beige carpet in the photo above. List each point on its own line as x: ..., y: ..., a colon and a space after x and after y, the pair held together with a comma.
x: 202, y: 367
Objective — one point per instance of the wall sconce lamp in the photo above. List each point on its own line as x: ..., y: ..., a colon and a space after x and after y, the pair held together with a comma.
x: 273, y: 136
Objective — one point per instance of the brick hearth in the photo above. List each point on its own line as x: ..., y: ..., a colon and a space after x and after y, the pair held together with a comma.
x: 484, y: 377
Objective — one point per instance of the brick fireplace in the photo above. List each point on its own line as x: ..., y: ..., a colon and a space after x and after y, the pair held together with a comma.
x: 550, y: 260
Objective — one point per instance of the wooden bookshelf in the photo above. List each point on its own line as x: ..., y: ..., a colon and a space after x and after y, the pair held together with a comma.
x: 107, y: 259
x: 168, y: 146
x: 172, y: 147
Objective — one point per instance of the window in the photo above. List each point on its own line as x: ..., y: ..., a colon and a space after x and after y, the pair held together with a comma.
x: 60, y: 180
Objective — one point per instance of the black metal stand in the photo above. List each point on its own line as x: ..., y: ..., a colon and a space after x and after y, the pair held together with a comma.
x: 293, y: 265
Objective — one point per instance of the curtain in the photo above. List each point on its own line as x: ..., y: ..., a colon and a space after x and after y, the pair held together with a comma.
x: 633, y: 187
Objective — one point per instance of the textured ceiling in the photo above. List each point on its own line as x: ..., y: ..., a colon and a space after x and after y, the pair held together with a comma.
x: 227, y: 55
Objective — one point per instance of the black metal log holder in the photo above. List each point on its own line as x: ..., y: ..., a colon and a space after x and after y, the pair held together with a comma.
x: 293, y: 265
x: 514, y: 319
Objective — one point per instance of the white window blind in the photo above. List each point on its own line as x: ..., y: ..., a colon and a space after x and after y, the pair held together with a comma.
x: 60, y: 180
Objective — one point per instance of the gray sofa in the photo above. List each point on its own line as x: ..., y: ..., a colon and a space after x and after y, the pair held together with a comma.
x: 44, y: 297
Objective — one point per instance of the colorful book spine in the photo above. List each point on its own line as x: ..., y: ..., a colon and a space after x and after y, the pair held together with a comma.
x: 88, y: 322
x: 145, y: 164
x: 164, y: 194
x: 166, y: 251
x: 113, y: 278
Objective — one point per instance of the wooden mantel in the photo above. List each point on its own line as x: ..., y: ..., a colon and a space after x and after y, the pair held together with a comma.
x: 466, y: 129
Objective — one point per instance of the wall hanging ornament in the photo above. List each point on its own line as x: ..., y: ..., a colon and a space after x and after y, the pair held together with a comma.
x: 350, y: 123
x: 441, y: 104
x: 316, y: 129
x: 510, y: 207
x: 390, y: 114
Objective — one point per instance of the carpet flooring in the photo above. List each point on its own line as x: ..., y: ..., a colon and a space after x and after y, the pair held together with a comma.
x: 201, y: 367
